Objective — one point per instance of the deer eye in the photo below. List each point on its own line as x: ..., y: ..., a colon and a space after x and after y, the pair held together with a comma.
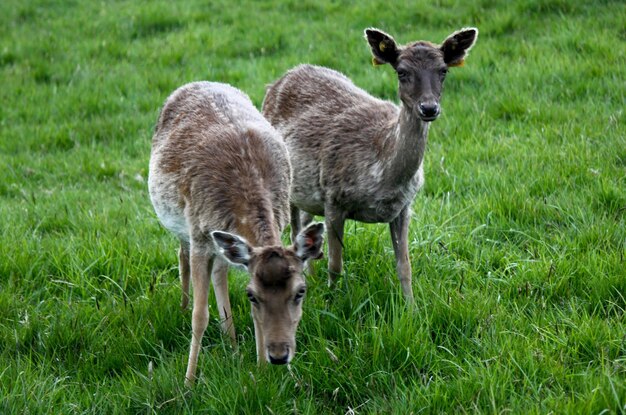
x: 300, y: 295
x: 403, y: 75
x: 252, y: 298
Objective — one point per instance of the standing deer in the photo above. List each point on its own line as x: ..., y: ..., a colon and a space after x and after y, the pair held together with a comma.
x: 356, y: 156
x: 219, y: 180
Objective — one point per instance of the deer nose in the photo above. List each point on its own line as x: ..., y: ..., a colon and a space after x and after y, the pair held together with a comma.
x: 278, y: 353
x: 429, y: 110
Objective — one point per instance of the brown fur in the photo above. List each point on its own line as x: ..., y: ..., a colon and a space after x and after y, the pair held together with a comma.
x: 274, y: 270
x: 356, y: 156
x: 219, y: 180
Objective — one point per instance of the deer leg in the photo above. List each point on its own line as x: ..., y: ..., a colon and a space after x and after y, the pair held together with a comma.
x: 296, y: 225
x: 220, y: 286
x: 201, y: 262
x: 334, y: 226
x: 399, y: 228
x: 183, y: 269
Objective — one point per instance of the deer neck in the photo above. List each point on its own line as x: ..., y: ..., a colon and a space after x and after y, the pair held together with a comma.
x: 258, y: 225
x: 409, y: 136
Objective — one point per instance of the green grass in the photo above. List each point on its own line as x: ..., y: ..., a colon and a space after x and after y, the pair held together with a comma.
x: 518, y: 240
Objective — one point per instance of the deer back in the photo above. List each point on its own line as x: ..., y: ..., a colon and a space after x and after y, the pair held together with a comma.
x: 219, y: 161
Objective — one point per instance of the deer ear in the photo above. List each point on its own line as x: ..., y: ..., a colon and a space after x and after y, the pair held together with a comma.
x: 384, y: 48
x: 309, y: 242
x: 457, y: 45
x: 232, y: 247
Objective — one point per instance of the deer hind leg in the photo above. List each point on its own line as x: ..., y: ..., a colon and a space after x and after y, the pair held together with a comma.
x: 399, y: 228
x: 183, y: 269
x: 335, y: 220
x: 201, y: 262
x: 220, y: 286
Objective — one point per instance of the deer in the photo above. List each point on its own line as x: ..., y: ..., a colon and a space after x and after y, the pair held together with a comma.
x: 219, y: 180
x: 358, y: 157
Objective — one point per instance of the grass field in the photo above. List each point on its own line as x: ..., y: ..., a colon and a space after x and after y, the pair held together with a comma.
x: 518, y: 239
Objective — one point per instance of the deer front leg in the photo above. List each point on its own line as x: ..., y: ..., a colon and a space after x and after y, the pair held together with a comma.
x: 183, y: 269
x: 201, y: 263
x: 220, y: 286
x: 334, y: 219
x: 399, y: 228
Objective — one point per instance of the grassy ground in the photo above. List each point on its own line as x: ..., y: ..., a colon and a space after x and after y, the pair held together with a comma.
x: 517, y: 240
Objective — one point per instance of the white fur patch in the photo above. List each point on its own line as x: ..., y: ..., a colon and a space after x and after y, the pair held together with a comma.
x: 174, y: 223
x: 376, y: 170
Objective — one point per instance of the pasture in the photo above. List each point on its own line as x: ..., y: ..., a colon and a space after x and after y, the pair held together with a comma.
x: 517, y: 240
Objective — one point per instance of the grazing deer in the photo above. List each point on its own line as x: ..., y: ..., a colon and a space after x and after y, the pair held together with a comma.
x: 219, y: 180
x: 356, y: 156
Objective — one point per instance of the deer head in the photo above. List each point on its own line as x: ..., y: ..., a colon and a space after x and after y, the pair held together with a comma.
x: 277, y: 286
x: 421, y: 66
